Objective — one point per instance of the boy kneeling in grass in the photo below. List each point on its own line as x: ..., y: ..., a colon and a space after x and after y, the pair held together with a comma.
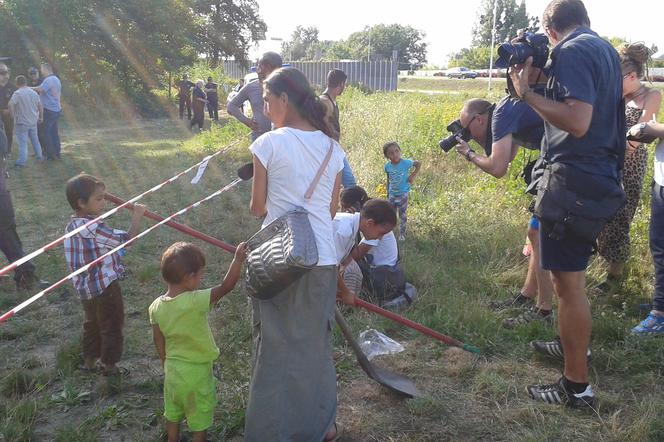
x: 376, y: 218
x: 184, y: 340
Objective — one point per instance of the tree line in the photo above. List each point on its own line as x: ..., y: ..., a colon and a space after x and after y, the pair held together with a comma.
x: 123, y: 49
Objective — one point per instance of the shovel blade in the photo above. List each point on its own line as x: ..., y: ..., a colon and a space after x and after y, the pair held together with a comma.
x: 395, y: 382
x: 246, y: 172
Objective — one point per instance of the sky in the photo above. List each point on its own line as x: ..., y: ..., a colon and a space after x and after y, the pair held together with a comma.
x: 447, y: 24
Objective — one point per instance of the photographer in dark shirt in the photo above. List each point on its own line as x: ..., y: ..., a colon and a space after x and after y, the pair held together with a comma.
x: 583, y: 147
x: 501, y: 129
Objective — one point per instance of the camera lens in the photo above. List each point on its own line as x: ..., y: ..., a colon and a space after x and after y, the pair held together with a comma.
x: 448, y: 143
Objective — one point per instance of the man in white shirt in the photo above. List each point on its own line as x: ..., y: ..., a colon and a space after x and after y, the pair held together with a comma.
x: 27, y: 111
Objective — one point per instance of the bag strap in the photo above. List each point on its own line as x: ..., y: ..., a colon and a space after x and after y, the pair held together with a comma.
x: 319, y: 174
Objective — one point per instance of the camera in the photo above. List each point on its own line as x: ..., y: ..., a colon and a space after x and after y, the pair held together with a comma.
x: 457, y: 131
x: 528, y: 44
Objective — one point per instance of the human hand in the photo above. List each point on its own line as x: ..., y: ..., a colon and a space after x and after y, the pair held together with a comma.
x: 519, y: 75
x: 241, y: 252
x: 253, y: 125
x: 463, y: 147
x: 346, y: 296
x: 411, y: 178
x: 138, y: 210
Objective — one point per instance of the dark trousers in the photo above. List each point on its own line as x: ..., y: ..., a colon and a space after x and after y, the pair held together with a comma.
x: 199, y: 116
x: 185, y: 100
x: 51, y: 135
x: 213, y: 109
x: 102, y: 328
x: 8, y: 122
x: 10, y: 243
x: 657, y: 243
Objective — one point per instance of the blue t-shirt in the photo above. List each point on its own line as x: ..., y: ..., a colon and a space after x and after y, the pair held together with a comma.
x: 397, y: 176
x: 50, y: 95
x: 587, y: 68
x: 512, y: 116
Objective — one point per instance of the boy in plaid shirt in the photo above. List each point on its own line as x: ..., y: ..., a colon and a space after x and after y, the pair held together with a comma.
x: 98, y: 287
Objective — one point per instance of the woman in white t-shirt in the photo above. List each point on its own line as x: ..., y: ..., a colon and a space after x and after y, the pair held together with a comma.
x: 293, y: 385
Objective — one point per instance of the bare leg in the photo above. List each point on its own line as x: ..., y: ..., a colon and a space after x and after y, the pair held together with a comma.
x: 530, y: 285
x: 199, y: 436
x: 544, y: 284
x: 574, y: 322
x: 173, y: 431
x: 616, y: 269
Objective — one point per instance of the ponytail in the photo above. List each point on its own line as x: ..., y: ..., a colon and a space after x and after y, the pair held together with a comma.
x: 294, y: 84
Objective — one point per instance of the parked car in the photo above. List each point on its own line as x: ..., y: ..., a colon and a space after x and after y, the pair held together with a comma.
x: 460, y: 72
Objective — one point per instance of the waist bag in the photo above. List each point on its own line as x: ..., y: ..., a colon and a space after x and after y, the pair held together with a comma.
x: 574, y: 204
x: 284, y: 250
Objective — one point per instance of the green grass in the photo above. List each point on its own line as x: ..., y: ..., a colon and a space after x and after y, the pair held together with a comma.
x: 466, y: 231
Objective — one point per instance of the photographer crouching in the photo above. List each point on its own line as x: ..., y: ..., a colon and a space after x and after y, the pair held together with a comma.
x: 500, y: 130
x: 583, y: 149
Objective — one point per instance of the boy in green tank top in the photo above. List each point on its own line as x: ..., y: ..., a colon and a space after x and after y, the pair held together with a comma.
x: 184, y: 339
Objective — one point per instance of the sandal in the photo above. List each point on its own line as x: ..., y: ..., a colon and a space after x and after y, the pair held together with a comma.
x: 119, y: 371
x: 337, y: 434
x: 87, y: 370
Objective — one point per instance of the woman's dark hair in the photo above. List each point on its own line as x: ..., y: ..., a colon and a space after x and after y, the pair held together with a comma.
x: 353, y: 197
x: 179, y: 260
x: 295, y: 85
x: 81, y: 187
x: 634, y: 57
x: 380, y: 211
x: 563, y: 15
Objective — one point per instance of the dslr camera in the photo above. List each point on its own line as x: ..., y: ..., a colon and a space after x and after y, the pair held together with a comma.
x: 527, y: 44
x: 457, y: 131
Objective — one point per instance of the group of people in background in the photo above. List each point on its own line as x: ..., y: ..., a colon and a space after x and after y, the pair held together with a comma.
x: 31, y: 108
x: 198, y: 96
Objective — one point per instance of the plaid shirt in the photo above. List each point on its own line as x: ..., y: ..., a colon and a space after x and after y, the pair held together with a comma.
x: 88, y: 245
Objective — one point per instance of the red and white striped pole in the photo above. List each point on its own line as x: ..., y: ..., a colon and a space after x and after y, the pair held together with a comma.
x: 58, y: 241
x: 52, y: 287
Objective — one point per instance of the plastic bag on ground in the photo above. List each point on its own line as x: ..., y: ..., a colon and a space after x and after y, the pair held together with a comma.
x: 373, y: 343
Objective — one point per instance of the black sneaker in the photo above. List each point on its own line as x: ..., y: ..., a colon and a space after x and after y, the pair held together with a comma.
x: 558, y: 394
x: 553, y: 349
x: 517, y: 301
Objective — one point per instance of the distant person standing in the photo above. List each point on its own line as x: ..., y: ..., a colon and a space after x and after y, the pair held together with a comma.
x: 199, y: 100
x: 50, y: 91
x: 10, y: 243
x: 253, y: 91
x: 184, y: 94
x: 6, y: 91
x: 336, y: 83
x: 34, y: 80
x: 212, y: 98
x: 27, y: 111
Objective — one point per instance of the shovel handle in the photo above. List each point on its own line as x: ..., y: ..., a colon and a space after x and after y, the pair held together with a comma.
x: 176, y: 225
x: 415, y: 326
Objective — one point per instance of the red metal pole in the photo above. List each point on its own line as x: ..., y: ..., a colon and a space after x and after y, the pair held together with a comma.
x: 176, y: 225
x: 359, y: 302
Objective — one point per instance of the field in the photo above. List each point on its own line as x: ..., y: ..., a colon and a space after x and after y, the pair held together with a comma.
x: 464, y: 249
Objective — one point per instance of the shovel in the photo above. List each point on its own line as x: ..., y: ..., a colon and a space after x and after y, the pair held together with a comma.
x: 397, y: 383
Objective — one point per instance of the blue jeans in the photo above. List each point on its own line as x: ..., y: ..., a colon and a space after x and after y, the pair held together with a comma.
x: 22, y: 133
x: 657, y: 243
x: 51, y: 135
x: 347, y: 177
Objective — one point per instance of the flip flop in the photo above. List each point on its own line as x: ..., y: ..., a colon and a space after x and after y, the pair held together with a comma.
x: 119, y: 371
x: 87, y: 370
x: 337, y: 434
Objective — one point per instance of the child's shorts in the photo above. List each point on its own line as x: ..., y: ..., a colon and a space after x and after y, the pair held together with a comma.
x: 189, y: 391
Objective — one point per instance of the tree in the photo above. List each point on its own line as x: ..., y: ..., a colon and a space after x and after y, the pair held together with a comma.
x: 228, y: 28
x: 303, y: 44
x: 378, y: 42
x: 474, y: 58
x: 509, y: 19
